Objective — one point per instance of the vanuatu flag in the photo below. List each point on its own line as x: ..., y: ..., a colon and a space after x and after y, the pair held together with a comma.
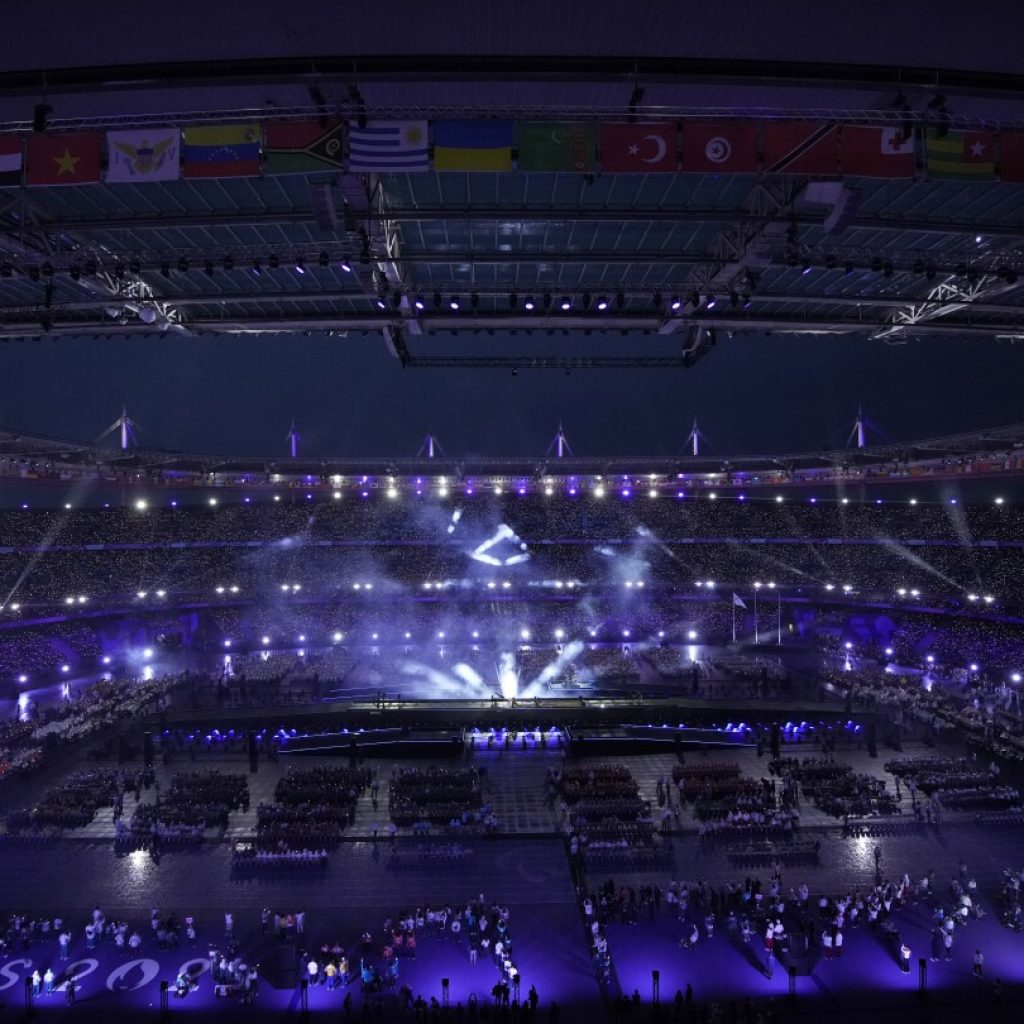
x: 222, y: 151
x: 473, y: 145
x: 302, y: 147
x: 71, y: 159
x: 557, y: 145
x: 961, y: 155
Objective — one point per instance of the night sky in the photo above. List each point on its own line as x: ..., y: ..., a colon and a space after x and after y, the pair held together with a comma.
x: 350, y: 397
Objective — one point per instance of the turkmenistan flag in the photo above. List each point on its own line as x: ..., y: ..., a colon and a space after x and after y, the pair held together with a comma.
x: 961, y: 155
x: 557, y: 145
x: 302, y: 147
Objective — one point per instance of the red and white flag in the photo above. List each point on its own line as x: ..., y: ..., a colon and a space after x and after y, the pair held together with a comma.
x: 723, y: 147
x: 639, y: 147
x: 878, y: 152
x: 801, y: 147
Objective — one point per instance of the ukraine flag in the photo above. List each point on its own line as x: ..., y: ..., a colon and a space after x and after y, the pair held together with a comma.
x: 473, y: 145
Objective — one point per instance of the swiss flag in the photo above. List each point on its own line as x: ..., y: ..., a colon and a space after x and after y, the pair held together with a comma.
x: 638, y: 147
x: 878, y: 152
x: 63, y: 159
x: 801, y: 147
x: 1011, y: 156
x: 723, y: 146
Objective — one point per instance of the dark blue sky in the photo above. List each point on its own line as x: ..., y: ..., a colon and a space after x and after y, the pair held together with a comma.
x: 349, y: 396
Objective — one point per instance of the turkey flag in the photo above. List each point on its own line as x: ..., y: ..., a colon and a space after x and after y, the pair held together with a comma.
x: 639, y: 147
x: 724, y: 146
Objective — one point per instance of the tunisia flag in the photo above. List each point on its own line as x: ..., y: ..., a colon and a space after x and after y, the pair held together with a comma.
x: 638, y: 147
x: 63, y: 159
x: 724, y: 146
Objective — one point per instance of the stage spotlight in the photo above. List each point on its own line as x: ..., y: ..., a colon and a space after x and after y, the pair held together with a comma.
x: 676, y: 304
x: 602, y: 304
x: 300, y: 266
x: 565, y: 304
x: 381, y: 304
x: 257, y: 267
x: 419, y: 304
x: 529, y: 305
x: 712, y: 302
x: 453, y: 304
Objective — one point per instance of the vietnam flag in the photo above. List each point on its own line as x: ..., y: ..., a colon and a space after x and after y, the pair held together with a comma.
x: 63, y: 159
x: 801, y: 147
x: 728, y: 146
x: 638, y: 147
x: 1011, y: 156
x: 878, y: 152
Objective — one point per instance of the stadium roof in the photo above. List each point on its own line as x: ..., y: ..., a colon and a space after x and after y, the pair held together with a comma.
x: 993, y: 451
x: 752, y: 252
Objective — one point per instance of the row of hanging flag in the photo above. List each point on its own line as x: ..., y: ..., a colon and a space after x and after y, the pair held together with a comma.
x: 303, y: 147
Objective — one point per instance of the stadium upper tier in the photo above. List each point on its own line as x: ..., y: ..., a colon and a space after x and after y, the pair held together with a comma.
x: 374, y: 548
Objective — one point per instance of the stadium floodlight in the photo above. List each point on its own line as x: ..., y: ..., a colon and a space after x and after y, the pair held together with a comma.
x: 888, y: 652
x: 559, y: 633
x: 15, y: 606
x: 599, y: 491
x: 440, y: 635
x: 65, y: 668
x: 213, y: 502
x: 476, y: 634
x: 220, y: 590
x: 234, y: 588
x: 392, y: 493
x: 848, y: 645
x: 830, y: 586
x: 508, y: 586
x: 227, y: 643
x: 712, y: 496
x: 845, y: 501
x: 69, y: 600
x: 758, y: 584
x: 989, y: 599
x: 147, y: 653
x: 915, y: 593
x: 847, y: 587
x: 265, y: 640
x: 161, y: 593
x: 653, y: 492
x: 913, y: 501
x: 640, y: 584
x: 625, y: 633
x: 141, y: 595
x: 549, y: 490
x: 497, y: 489
x: 141, y: 505
x: 106, y: 659
x: 408, y: 636
x: 524, y: 634
x: 22, y: 679
x: 661, y: 634
x: 972, y: 597
x: 336, y: 496
x: 999, y: 501
x: 296, y: 587
x: 902, y: 591
x: 285, y: 587
x: 778, y: 499
x: 691, y: 634
x: 710, y: 584
x: 973, y: 667
x: 302, y: 638
x: 277, y: 497
x: 1015, y: 677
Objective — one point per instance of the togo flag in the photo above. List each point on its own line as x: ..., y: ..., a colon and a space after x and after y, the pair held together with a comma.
x: 148, y: 155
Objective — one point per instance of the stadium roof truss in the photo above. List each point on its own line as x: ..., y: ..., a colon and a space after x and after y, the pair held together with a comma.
x: 683, y: 259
